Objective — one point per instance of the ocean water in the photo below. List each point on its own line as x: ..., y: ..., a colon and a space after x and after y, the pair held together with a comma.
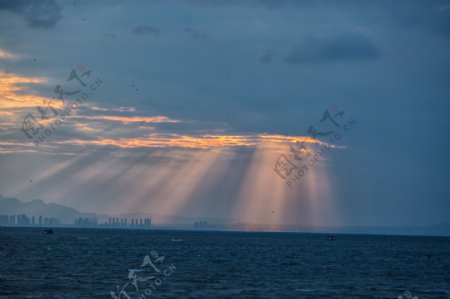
x: 91, y: 263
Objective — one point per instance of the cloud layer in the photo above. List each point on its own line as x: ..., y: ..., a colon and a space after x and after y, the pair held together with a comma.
x: 37, y: 13
x: 200, y: 98
x: 342, y: 47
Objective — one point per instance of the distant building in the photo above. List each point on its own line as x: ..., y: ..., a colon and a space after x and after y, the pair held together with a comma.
x: 24, y: 220
x: 4, y: 220
x: 85, y: 221
x: 51, y: 222
x: 200, y: 224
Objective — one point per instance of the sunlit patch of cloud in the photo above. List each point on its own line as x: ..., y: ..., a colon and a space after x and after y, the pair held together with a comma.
x: 7, y: 55
x: 114, y: 109
x: 130, y: 119
x: 14, y: 92
x: 156, y: 140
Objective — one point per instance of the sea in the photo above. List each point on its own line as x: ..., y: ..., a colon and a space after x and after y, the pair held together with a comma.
x: 124, y: 263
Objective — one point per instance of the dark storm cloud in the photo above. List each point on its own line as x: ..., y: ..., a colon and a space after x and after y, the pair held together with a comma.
x: 347, y: 46
x: 38, y: 13
x: 144, y: 30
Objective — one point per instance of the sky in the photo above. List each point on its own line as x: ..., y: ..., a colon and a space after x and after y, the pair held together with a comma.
x: 273, y: 112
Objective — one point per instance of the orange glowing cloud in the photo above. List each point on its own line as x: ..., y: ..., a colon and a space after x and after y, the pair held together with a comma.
x: 130, y: 119
x: 13, y: 94
x: 194, y: 142
x: 7, y: 55
x: 284, y: 139
x: 166, y: 141
x: 120, y: 109
x: 6, y: 113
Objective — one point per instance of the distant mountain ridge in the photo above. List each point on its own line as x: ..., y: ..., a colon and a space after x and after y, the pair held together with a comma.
x: 37, y: 207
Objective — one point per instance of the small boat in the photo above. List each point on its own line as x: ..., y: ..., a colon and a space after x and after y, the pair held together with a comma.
x: 48, y: 231
x: 329, y: 238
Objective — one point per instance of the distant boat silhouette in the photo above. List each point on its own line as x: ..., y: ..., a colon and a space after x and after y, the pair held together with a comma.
x: 48, y: 231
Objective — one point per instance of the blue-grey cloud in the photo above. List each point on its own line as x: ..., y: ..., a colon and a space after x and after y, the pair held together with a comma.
x: 267, y: 57
x: 195, y: 34
x: 345, y: 46
x: 275, y: 4
x: 442, y: 19
x: 38, y: 13
x: 144, y: 30
x: 112, y: 36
